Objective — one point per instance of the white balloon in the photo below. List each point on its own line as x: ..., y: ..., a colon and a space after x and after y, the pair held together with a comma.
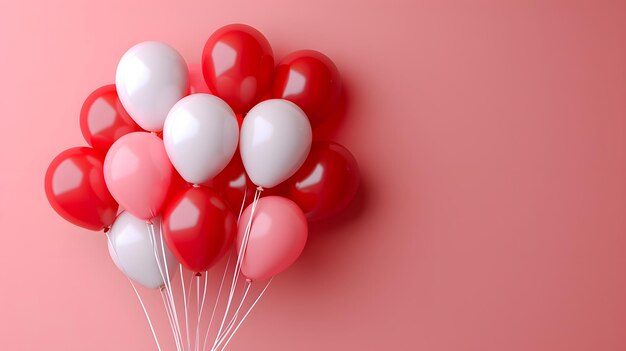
x: 130, y: 247
x: 150, y: 78
x: 200, y: 135
x: 274, y: 142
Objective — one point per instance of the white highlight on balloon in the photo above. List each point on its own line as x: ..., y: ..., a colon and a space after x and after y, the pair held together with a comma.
x: 224, y: 58
x: 106, y: 116
x: 296, y: 82
x: 314, y: 178
x: 67, y: 177
x: 191, y: 215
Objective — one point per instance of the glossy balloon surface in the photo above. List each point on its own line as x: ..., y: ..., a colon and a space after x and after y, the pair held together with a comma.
x: 76, y: 189
x: 201, y: 134
x: 237, y: 63
x: 326, y: 182
x: 274, y: 142
x: 198, y: 227
x: 177, y: 185
x: 103, y: 119
x: 310, y: 80
x: 277, y: 237
x: 233, y: 184
x: 150, y: 78
x: 139, y: 174
x: 131, y: 247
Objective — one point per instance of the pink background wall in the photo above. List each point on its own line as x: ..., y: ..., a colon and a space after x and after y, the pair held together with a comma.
x: 492, y: 140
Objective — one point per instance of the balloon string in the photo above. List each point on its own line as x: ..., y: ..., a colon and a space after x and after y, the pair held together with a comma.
x: 206, y: 281
x: 143, y: 306
x: 168, y: 311
x: 217, y: 299
x: 165, y: 281
x: 243, y: 204
x: 244, y: 244
x: 186, y: 302
x: 247, y: 313
x: 169, y: 286
x: 219, y: 292
x: 231, y: 324
x: 152, y: 236
x: 236, y: 314
x: 241, y: 252
x: 241, y: 208
x: 199, y: 310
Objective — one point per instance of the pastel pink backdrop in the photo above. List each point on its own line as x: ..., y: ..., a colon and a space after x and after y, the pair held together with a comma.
x: 491, y: 137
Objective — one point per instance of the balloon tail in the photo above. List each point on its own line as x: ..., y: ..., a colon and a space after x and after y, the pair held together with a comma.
x: 246, y: 315
x: 242, y: 250
x: 143, y: 306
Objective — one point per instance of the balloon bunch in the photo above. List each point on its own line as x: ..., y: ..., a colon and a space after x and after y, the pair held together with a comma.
x: 181, y: 163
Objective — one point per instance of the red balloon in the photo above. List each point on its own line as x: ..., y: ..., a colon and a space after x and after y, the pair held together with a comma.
x: 177, y: 185
x: 239, y: 119
x: 237, y: 63
x: 327, y: 181
x: 76, y: 189
x: 198, y: 228
x: 103, y: 119
x: 233, y: 184
x: 310, y: 80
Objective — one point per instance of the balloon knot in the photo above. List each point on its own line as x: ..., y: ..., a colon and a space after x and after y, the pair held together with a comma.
x: 195, y: 185
x: 106, y: 229
x: 198, y: 274
x: 259, y: 188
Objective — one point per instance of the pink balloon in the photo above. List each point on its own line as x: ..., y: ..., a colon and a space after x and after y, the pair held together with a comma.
x: 277, y: 236
x: 138, y: 173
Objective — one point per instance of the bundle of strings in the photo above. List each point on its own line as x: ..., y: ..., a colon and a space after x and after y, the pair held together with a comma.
x: 242, y: 292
